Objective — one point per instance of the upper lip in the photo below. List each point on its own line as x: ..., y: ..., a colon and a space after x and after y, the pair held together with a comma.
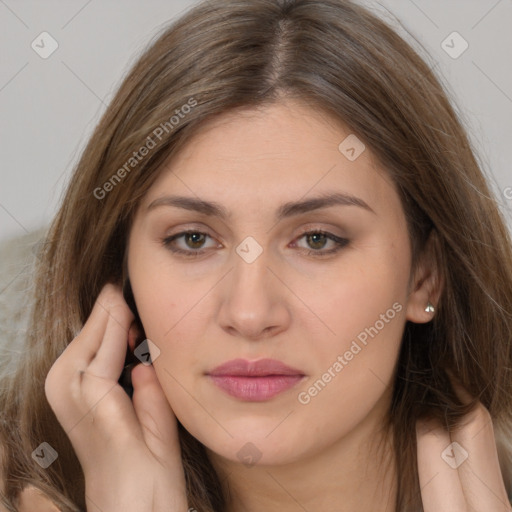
x: 260, y: 368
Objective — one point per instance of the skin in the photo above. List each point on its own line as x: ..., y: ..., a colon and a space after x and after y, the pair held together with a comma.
x: 305, y: 310
x: 301, y: 309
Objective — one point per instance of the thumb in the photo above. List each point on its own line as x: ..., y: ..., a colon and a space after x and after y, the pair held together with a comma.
x: 158, y: 422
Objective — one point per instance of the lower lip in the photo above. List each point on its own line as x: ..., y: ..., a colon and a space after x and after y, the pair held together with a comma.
x: 255, y: 389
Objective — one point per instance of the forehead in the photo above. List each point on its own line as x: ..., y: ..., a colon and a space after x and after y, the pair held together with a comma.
x: 253, y: 158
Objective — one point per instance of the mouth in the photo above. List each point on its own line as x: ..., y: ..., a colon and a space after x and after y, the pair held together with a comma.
x: 255, y: 381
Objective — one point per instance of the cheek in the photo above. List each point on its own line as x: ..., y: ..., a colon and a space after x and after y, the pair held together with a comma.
x: 362, y: 295
x: 365, y: 313
x: 355, y: 369
x: 172, y: 317
x: 356, y: 361
x: 168, y: 304
x: 338, y: 316
x: 163, y: 294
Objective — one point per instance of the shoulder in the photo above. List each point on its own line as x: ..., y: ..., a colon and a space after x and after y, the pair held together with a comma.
x: 31, y: 499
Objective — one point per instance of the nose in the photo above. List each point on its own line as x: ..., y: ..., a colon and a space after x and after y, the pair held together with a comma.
x: 255, y: 303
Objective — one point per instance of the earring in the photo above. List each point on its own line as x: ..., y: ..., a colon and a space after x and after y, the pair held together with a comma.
x: 430, y: 308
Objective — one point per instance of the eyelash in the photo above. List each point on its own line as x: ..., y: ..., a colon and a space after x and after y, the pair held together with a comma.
x: 340, y: 243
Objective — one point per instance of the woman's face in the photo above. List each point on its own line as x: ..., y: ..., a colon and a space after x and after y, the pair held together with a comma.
x: 249, y: 282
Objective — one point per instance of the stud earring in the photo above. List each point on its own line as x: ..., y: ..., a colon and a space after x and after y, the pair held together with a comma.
x: 430, y: 308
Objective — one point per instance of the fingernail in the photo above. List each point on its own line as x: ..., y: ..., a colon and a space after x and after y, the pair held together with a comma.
x: 132, y: 335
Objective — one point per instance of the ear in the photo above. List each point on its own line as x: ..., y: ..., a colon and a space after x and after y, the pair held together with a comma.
x: 427, y: 282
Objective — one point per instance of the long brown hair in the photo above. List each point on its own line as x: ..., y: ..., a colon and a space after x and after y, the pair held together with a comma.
x: 341, y: 59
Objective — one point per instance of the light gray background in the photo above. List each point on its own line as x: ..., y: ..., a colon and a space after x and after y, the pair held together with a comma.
x: 50, y: 106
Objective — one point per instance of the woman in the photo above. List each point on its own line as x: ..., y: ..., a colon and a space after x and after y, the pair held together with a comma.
x: 282, y: 213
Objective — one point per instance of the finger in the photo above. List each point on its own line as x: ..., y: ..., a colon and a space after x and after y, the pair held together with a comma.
x: 64, y: 375
x: 84, y: 357
x: 157, y: 419
x: 133, y: 335
x: 441, y: 489
x: 481, y: 477
x: 83, y: 348
x: 110, y: 357
x: 480, y: 474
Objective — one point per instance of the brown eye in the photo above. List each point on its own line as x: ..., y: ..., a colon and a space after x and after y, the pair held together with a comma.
x: 194, y: 240
x: 317, y: 240
x: 192, y: 243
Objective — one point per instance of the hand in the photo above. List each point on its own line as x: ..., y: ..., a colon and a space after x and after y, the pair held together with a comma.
x: 461, y: 472
x: 129, y: 451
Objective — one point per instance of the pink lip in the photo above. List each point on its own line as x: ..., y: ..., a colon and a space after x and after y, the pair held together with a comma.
x: 255, y: 381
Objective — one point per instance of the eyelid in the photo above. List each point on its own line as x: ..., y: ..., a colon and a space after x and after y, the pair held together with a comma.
x: 167, y: 240
x: 340, y: 242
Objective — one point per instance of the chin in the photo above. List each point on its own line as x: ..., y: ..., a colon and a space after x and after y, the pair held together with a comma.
x: 257, y: 450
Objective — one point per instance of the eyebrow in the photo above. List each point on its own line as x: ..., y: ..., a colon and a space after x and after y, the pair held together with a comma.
x: 289, y: 209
